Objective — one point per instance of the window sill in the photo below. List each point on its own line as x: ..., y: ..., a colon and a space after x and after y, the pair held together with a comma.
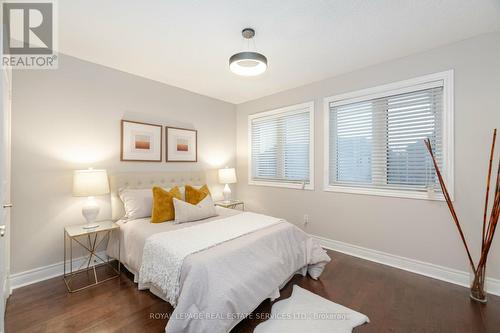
x: 297, y: 186
x: 433, y: 196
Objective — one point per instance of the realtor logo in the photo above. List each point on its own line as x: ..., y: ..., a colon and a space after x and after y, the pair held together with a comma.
x: 28, y: 35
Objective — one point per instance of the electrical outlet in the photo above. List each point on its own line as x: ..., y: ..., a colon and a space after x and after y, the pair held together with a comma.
x: 306, y: 219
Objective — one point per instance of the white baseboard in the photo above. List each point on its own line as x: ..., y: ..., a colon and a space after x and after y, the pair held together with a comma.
x: 46, y: 272
x: 415, y: 266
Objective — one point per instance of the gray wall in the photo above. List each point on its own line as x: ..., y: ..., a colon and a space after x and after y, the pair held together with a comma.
x: 417, y: 229
x: 69, y: 119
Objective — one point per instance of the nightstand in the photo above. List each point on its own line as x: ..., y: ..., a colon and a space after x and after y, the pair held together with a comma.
x: 230, y: 204
x: 90, y: 241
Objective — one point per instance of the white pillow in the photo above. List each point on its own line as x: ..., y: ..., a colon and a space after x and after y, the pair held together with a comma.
x: 138, y: 203
x: 186, y: 212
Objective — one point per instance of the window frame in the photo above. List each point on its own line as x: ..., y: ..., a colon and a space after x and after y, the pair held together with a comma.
x: 385, y: 90
x: 296, y: 108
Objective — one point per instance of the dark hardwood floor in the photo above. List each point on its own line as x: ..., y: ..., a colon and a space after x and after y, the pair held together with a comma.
x: 394, y: 300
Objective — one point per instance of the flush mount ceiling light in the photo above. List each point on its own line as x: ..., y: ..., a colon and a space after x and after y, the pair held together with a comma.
x: 248, y: 63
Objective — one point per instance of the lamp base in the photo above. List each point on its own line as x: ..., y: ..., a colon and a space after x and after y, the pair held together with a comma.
x: 90, y: 212
x: 227, y: 193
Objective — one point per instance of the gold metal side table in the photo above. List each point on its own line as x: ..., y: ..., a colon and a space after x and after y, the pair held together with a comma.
x: 232, y: 204
x: 88, y: 239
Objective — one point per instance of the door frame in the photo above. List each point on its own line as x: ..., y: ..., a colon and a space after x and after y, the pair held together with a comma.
x: 7, y: 114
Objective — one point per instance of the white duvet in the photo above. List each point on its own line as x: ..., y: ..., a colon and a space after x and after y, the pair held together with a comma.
x: 220, y: 285
x: 164, y: 253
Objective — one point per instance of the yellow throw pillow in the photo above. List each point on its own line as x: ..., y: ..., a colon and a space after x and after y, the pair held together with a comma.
x: 194, y: 196
x: 163, y: 206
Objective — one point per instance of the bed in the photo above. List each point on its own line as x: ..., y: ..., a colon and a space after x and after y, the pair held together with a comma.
x: 223, y: 283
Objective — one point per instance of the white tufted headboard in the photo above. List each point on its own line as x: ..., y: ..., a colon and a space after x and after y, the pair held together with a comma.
x: 148, y: 180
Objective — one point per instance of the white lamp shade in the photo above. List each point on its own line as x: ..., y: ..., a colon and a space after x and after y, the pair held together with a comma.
x: 227, y: 176
x: 88, y: 183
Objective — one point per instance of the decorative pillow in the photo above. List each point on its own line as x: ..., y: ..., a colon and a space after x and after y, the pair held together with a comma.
x: 183, y: 190
x: 194, y: 195
x: 163, y: 207
x: 186, y: 212
x: 137, y: 202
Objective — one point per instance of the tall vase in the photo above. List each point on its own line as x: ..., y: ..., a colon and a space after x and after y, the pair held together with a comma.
x: 477, y: 290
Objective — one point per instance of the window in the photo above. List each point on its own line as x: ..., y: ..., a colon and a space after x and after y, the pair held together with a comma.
x: 281, y: 147
x: 374, y: 138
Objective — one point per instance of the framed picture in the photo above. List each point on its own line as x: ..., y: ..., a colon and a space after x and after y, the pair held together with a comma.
x: 181, y: 144
x: 141, y: 142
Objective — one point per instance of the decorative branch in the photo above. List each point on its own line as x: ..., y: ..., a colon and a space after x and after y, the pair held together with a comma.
x: 488, y: 180
x: 492, y: 224
x: 478, y: 292
x: 450, y: 203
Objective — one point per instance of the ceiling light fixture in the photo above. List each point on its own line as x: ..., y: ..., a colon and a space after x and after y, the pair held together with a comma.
x: 248, y: 63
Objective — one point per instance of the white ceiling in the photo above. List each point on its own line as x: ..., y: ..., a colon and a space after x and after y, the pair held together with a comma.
x: 187, y: 43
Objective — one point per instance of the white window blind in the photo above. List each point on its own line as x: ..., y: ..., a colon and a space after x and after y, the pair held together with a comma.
x: 280, y: 146
x: 377, y: 142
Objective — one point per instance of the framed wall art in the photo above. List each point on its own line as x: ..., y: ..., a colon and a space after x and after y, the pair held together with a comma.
x: 181, y: 144
x: 141, y: 142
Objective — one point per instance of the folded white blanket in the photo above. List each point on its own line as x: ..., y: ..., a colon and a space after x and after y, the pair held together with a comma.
x: 164, y: 253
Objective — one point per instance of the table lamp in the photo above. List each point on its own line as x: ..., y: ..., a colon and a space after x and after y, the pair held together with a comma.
x: 227, y: 176
x: 89, y: 183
